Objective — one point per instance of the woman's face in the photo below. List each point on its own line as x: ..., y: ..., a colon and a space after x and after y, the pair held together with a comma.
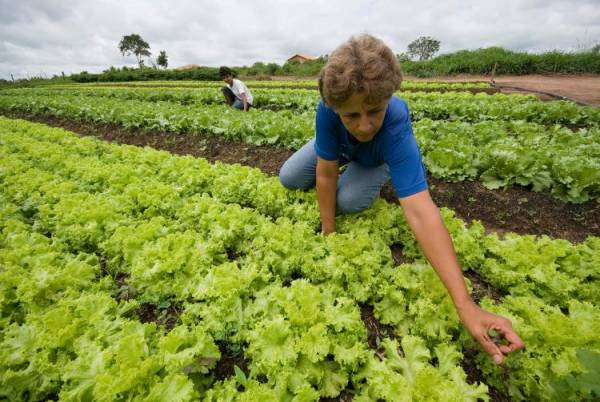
x: 361, y: 119
x: 228, y: 79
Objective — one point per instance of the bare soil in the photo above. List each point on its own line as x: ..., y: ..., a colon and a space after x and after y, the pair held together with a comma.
x: 482, y: 289
x: 376, y: 331
x: 225, y: 367
x: 474, y: 375
x: 580, y: 88
x: 167, y: 317
x: 516, y: 209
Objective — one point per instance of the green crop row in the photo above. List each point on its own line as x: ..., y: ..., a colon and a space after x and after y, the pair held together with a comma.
x: 305, y: 337
x: 500, y: 154
x: 293, y: 84
x: 143, y: 211
x: 267, y: 196
x: 458, y: 106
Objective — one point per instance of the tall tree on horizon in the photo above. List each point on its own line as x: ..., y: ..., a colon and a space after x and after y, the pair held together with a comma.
x: 134, y: 44
x: 162, y: 59
x: 424, y: 47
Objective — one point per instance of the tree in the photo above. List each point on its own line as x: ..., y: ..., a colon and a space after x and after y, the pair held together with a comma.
x: 162, y: 60
x: 134, y: 44
x: 424, y: 47
x: 402, y: 57
x: 272, y: 68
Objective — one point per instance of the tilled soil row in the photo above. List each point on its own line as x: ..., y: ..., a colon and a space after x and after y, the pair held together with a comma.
x: 517, y: 209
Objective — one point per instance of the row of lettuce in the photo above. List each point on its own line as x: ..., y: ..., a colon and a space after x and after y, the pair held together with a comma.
x: 455, y: 106
x: 500, y: 154
x: 217, y: 241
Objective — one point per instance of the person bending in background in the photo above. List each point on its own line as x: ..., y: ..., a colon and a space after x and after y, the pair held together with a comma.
x: 362, y: 125
x: 236, y: 92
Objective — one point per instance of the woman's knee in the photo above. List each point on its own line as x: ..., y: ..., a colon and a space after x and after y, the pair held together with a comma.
x: 287, y: 177
x: 349, y: 202
x: 292, y: 178
x: 299, y: 171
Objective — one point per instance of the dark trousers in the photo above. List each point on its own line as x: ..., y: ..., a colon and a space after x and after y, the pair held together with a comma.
x: 233, y: 100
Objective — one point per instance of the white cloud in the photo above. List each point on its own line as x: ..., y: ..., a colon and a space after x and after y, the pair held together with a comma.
x: 53, y: 36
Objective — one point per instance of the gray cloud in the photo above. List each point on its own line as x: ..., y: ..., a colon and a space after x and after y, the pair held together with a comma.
x: 47, y: 37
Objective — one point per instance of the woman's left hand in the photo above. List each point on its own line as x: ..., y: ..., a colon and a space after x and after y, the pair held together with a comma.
x: 479, y: 322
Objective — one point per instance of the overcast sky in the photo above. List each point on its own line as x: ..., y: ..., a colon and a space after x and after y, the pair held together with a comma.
x: 45, y: 37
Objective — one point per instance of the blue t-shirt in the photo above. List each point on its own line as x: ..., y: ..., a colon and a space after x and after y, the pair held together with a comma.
x: 394, y: 144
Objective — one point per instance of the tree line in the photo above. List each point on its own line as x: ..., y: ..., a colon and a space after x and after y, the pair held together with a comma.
x: 422, y: 48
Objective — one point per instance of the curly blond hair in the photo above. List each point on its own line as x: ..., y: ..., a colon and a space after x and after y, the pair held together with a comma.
x: 362, y: 64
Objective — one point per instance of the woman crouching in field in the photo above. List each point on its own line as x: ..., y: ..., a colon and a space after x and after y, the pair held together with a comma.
x: 361, y: 124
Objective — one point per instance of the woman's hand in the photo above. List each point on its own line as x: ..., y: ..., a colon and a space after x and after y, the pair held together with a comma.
x: 426, y: 223
x: 479, y: 322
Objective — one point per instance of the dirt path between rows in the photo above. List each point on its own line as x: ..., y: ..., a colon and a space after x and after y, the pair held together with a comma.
x: 516, y: 209
x: 581, y: 88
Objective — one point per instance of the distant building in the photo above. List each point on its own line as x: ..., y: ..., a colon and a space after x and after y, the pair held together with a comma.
x: 188, y: 67
x: 301, y: 58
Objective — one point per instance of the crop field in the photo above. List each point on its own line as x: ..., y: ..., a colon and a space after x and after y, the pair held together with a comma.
x: 130, y: 273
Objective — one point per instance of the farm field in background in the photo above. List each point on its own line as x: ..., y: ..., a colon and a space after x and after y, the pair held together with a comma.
x: 290, y: 84
x: 131, y: 273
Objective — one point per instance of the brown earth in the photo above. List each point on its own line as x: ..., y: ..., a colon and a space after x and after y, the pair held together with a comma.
x: 167, y: 317
x: 225, y: 367
x: 580, y: 88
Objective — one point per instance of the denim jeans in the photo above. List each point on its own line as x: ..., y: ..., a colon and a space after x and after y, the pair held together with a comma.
x: 357, y: 187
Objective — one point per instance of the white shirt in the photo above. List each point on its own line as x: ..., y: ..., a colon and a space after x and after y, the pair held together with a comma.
x: 240, y: 88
